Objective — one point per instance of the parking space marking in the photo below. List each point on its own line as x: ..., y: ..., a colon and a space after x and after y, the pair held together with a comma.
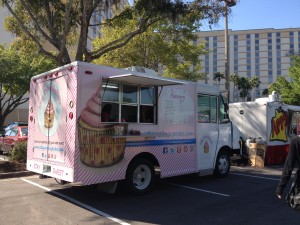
x: 196, y: 189
x: 246, y: 175
x: 81, y: 204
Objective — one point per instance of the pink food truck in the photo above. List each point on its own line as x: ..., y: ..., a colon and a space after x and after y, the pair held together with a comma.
x: 96, y: 124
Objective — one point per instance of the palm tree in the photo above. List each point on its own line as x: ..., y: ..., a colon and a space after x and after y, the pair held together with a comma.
x: 254, y: 82
x: 218, y: 76
x: 265, y: 92
x: 244, y: 84
x: 235, y: 79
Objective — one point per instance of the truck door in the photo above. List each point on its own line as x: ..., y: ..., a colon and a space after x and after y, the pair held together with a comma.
x: 207, y: 130
x: 49, y: 130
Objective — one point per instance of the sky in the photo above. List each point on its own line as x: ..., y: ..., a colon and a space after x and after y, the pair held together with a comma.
x: 261, y: 14
x: 277, y: 14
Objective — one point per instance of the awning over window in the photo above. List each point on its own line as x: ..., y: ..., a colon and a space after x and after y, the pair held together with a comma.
x: 145, y: 80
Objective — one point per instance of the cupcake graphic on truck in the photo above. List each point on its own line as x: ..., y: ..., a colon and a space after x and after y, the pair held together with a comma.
x: 97, y: 146
x: 49, y: 143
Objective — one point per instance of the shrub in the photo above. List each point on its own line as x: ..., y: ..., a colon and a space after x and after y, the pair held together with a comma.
x: 19, y: 152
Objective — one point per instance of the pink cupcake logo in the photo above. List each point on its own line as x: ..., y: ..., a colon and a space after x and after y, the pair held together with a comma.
x: 98, y: 147
x: 50, y: 108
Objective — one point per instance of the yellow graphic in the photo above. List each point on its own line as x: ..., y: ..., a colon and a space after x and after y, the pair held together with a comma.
x: 206, y: 147
x: 279, y: 126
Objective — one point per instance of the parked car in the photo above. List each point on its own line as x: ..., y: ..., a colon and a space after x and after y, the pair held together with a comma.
x: 12, y: 136
x: 13, y: 124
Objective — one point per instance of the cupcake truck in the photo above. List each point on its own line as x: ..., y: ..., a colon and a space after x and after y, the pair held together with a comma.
x: 94, y: 124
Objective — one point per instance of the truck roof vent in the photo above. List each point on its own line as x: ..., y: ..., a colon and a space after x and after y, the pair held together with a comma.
x: 274, y: 97
x: 142, y: 70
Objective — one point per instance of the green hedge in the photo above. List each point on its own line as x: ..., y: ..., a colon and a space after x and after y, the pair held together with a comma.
x: 19, y: 152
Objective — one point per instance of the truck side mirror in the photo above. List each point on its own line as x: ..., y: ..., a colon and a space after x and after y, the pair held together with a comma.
x: 226, y: 107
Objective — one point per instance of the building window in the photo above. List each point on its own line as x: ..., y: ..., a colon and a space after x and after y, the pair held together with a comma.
x: 270, y: 79
x: 278, y: 54
x: 278, y: 72
x: 270, y: 54
x: 270, y: 66
x: 256, y: 36
x: 195, y: 41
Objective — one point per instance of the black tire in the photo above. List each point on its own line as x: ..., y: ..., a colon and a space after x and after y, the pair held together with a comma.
x: 140, y: 176
x: 222, y: 166
x: 292, y: 203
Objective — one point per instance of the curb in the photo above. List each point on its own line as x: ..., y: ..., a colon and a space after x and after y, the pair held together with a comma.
x: 16, y: 174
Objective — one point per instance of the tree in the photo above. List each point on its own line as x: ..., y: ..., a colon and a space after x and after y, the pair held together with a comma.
x: 234, y: 78
x: 16, y: 70
x: 63, y: 24
x: 289, y: 91
x: 218, y: 76
x: 163, y: 46
x: 244, y: 84
x: 265, y: 92
x: 254, y: 82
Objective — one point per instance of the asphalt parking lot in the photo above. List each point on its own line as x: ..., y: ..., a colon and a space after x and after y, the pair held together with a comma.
x: 245, y: 197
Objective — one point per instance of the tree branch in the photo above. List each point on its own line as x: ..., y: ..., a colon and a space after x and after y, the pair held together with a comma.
x: 56, y: 44
x: 123, y: 40
x: 50, y: 55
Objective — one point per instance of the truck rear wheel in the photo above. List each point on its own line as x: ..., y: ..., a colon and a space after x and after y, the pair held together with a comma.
x: 222, y: 164
x: 140, y: 176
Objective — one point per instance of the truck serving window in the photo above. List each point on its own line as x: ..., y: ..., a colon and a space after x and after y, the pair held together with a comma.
x: 128, y: 103
x: 207, y: 109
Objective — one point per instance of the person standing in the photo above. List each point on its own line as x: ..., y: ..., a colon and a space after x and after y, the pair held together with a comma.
x: 290, y: 162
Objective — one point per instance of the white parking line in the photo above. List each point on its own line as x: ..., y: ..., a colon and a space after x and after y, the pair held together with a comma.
x: 197, y: 189
x: 246, y: 175
x: 83, y: 205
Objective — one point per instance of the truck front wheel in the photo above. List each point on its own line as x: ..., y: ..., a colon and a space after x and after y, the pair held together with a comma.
x: 222, y: 164
x: 140, y: 176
